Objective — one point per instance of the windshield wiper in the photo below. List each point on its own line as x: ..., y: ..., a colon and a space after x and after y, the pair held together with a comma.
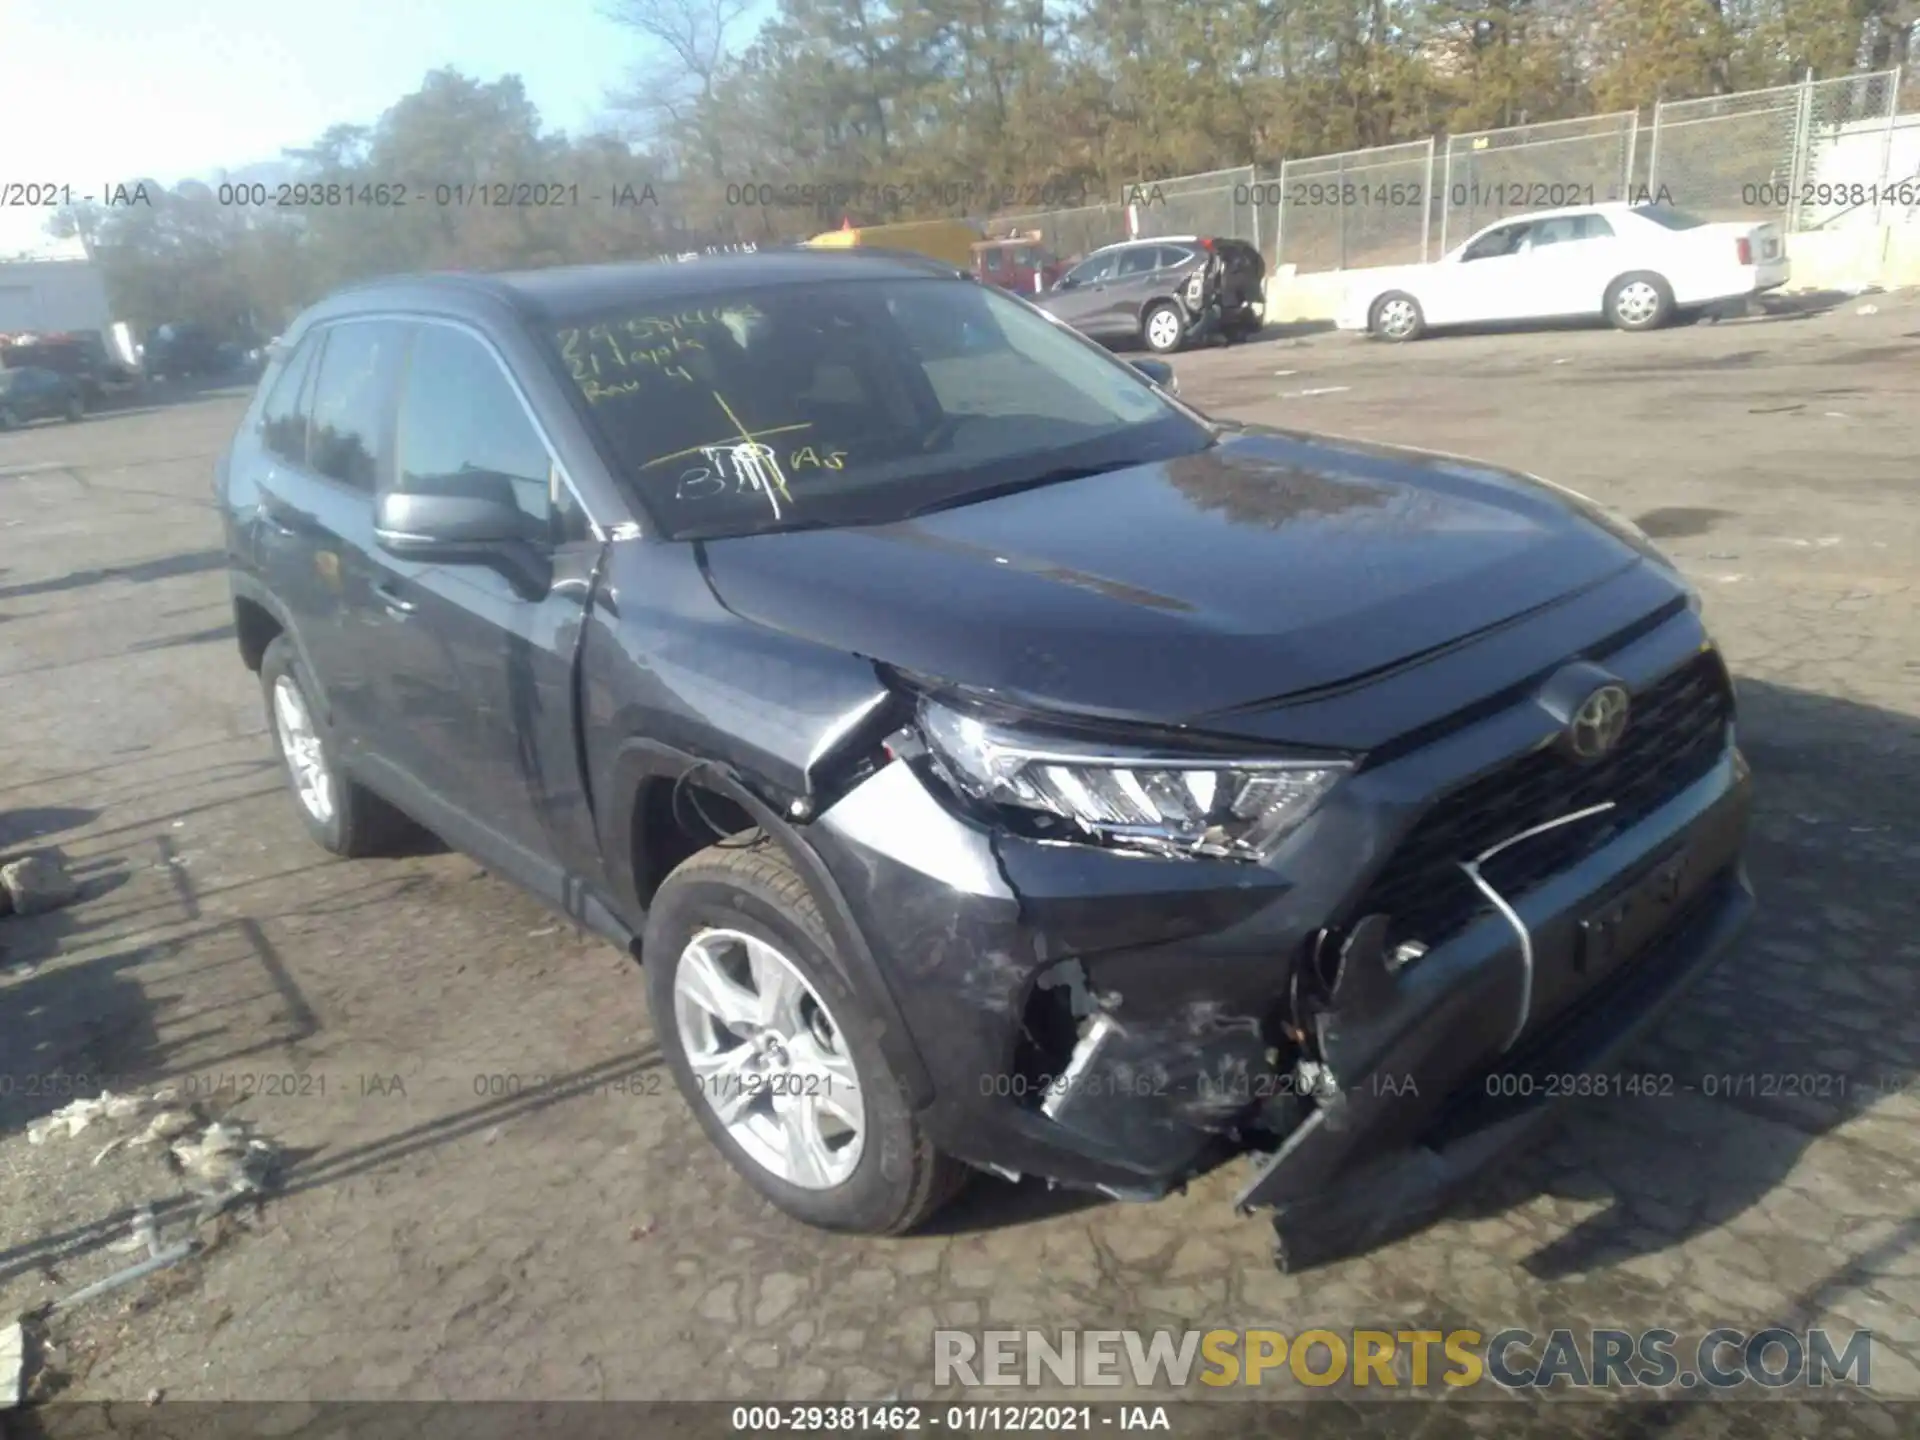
x: 1057, y: 476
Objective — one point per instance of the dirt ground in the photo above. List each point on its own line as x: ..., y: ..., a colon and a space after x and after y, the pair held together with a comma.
x: 491, y: 1189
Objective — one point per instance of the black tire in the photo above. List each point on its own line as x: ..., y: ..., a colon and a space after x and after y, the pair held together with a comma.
x: 76, y: 408
x: 361, y: 823
x: 1396, y: 330
x: 1626, y: 308
x: 1168, y: 337
x: 901, y: 1179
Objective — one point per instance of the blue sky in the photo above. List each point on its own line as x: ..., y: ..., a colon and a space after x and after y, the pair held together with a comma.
x: 178, y: 88
x: 101, y: 91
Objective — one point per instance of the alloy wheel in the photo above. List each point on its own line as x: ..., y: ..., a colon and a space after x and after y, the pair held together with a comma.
x: 1163, y: 330
x: 769, y: 1058
x: 1397, y: 318
x: 300, y: 744
x: 1637, y: 302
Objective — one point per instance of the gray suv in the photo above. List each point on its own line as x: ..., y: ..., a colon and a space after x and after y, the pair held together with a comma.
x: 1167, y: 293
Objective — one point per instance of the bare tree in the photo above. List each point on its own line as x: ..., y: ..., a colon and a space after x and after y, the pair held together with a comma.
x: 674, y: 90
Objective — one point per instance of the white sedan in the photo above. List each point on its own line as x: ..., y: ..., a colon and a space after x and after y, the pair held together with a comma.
x: 1637, y: 265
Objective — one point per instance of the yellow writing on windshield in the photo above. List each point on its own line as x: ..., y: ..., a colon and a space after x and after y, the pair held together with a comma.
x: 608, y: 361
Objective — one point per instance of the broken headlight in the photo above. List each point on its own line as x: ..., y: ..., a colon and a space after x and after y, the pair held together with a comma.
x: 1156, y: 801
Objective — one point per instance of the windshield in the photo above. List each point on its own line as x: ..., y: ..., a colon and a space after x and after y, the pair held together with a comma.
x: 1667, y: 216
x: 854, y: 402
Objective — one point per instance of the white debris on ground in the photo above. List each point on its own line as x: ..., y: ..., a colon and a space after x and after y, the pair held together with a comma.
x: 220, y: 1162
x: 34, y: 884
x: 13, y: 1359
x: 224, y: 1162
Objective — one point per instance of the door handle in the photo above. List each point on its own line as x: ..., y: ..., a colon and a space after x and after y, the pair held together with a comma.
x: 393, y: 601
x: 273, y: 522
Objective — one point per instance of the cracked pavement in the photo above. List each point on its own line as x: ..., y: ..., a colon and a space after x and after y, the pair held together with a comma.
x: 494, y: 1190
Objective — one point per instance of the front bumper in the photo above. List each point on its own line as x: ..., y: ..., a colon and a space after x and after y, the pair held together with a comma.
x: 1109, y: 1021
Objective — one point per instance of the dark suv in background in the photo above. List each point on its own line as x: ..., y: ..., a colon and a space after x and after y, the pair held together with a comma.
x: 1166, y: 293
x: 993, y: 760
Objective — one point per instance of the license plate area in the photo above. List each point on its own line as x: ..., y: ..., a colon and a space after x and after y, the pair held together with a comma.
x: 1619, y: 928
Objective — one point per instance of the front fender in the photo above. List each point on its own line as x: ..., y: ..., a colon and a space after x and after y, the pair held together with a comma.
x: 638, y: 762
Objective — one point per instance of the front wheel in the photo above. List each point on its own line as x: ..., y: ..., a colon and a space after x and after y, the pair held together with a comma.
x: 1641, y: 301
x: 777, y: 1054
x: 1397, y: 316
x: 1164, y: 328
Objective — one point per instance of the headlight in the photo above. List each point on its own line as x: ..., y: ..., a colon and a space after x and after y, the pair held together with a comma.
x: 1154, y: 801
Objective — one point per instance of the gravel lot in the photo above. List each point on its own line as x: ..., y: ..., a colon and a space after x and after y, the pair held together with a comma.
x: 453, y: 1227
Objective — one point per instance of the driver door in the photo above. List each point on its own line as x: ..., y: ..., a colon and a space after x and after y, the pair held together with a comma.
x: 1081, y: 298
x: 1486, y: 282
x: 470, y: 663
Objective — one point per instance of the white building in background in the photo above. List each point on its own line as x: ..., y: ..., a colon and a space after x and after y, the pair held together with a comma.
x: 47, y: 285
x: 39, y: 297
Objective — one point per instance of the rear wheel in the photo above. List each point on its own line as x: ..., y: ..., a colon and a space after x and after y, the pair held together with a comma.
x: 1397, y: 316
x: 1164, y: 328
x: 1640, y: 301
x: 776, y: 1054
x: 341, y: 815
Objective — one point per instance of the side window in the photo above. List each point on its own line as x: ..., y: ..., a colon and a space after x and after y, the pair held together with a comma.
x: 1503, y: 241
x: 1557, y: 231
x: 350, y: 397
x: 1174, y: 256
x: 1099, y: 268
x: 1595, y: 227
x: 283, y: 419
x: 1140, y: 260
x: 995, y: 259
x: 461, y: 421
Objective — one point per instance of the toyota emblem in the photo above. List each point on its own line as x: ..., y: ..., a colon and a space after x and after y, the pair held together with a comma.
x: 1599, y: 723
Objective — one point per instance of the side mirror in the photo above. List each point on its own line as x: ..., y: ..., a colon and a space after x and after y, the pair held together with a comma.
x: 417, y: 523
x: 1160, y: 373
x: 471, y: 517
x: 1065, y: 282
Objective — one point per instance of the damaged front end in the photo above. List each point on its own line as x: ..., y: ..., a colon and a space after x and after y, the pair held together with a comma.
x: 1119, y: 974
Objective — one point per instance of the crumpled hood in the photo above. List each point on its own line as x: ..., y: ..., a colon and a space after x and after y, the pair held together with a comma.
x: 1268, y: 565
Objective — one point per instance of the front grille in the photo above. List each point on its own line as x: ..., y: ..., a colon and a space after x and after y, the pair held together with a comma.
x: 1676, y: 730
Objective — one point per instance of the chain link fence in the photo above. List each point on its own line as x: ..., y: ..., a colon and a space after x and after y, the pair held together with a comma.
x: 1808, y: 156
x: 1068, y: 233
x: 1758, y: 155
x: 1845, y: 149
x: 1490, y: 174
x: 1357, y: 208
x: 1721, y: 156
x: 1217, y: 202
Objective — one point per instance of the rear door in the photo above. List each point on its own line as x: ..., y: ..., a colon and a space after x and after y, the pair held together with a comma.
x: 316, y: 507
x: 471, y: 664
x: 1138, y: 279
x: 1566, y: 266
